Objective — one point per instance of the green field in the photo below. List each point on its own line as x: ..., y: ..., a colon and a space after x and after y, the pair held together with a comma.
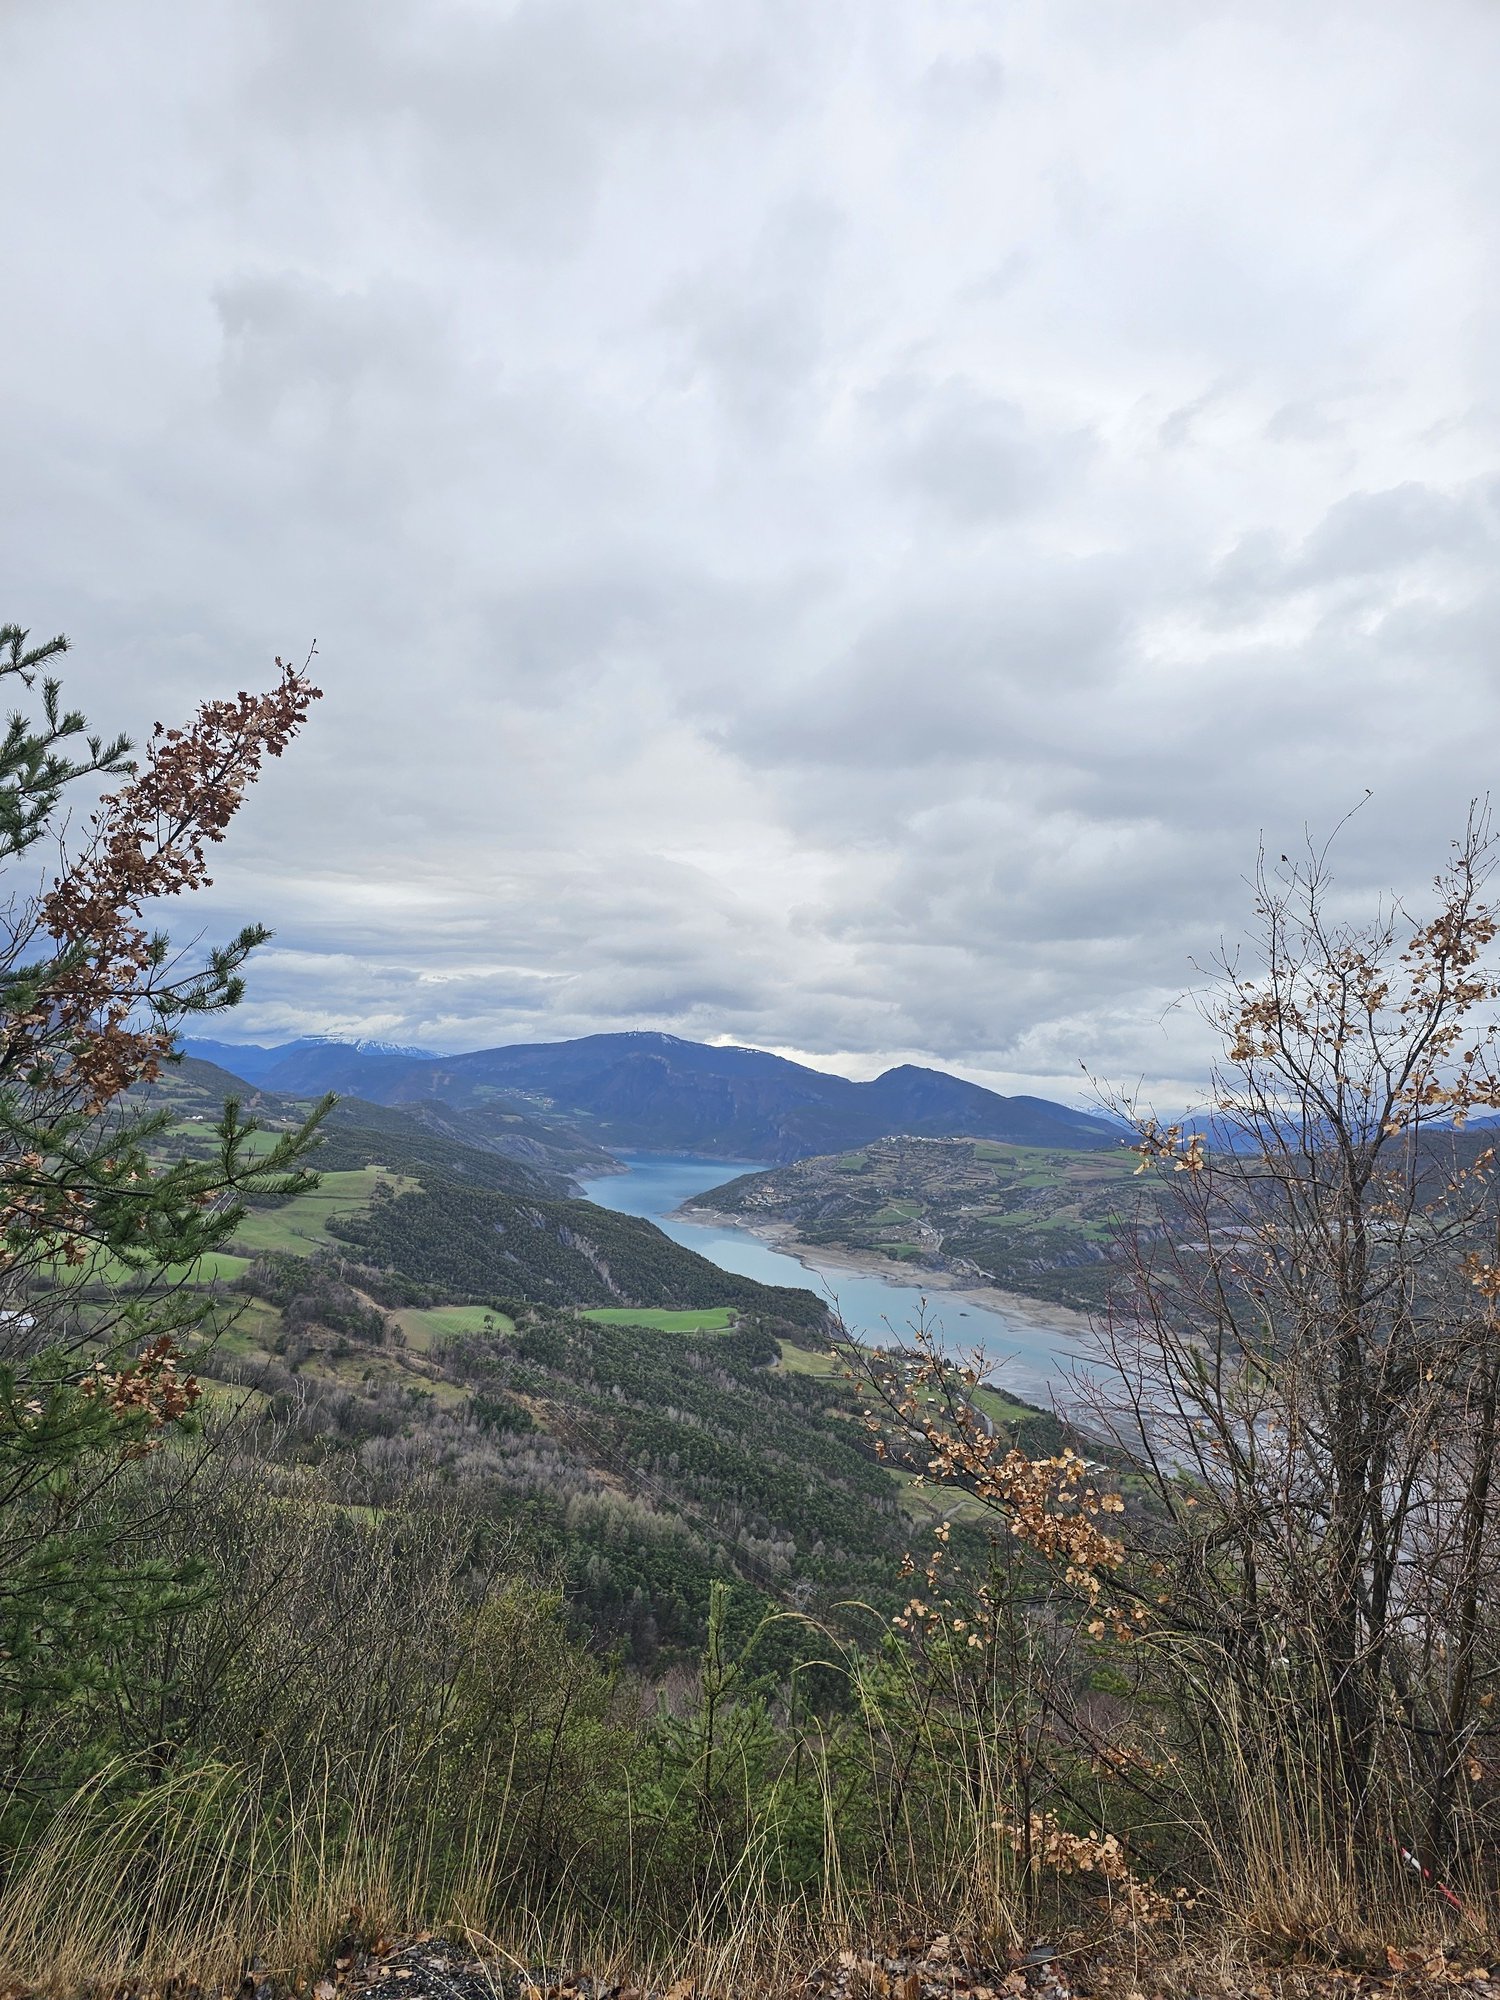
x: 297, y: 1225
x: 425, y: 1326
x: 243, y: 1327
x: 931, y: 1502
x: 222, y: 1266
x: 695, y: 1319
x: 232, y: 1399
x: 421, y: 1380
x: 200, y: 1133
x: 1000, y: 1408
x: 810, y: 1361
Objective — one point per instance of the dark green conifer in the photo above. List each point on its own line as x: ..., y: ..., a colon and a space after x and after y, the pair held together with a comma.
x: 96, y: 1327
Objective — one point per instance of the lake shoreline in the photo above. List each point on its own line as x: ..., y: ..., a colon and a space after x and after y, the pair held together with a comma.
x: 1029, y: 1346
x: 916, y: 1278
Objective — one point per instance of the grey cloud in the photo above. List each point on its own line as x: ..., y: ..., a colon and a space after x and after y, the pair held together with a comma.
x: 949, y: 682
x: 1179, y: 426
x: 836, y: 527
x: 977, y: 456
x: 1367, y: 538
x: 1370, y: 534
x: 753, y: 322
x: 1303, y: 422
x: 506, y: 116
x: 963, y: 86
x: 316, y: 370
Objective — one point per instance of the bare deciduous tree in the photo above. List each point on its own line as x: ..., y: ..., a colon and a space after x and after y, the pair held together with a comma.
x: 1305, y: 1357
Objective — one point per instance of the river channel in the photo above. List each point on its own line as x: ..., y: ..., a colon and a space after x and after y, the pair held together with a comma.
x: 1027, y: 1350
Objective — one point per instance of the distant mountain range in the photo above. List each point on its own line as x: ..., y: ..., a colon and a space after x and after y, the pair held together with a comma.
x: 252, y: 1062
x: 657, y: 1093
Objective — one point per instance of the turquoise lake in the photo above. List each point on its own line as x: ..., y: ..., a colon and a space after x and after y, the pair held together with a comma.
x: 1026, y: 1351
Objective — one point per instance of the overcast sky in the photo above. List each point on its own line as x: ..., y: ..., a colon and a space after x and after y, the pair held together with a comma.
x: 831, y: 524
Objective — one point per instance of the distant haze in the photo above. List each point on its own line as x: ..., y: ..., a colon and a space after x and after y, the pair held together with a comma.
x: 830, y: 527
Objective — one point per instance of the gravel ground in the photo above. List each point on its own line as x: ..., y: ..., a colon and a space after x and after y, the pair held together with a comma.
x: 938, y: 1968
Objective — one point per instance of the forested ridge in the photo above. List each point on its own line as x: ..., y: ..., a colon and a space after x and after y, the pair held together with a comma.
x: 465, y: 1242
x: 636, y: 1463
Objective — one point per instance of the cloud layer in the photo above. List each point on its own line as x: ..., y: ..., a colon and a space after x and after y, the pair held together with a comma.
x: 838, y: 527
